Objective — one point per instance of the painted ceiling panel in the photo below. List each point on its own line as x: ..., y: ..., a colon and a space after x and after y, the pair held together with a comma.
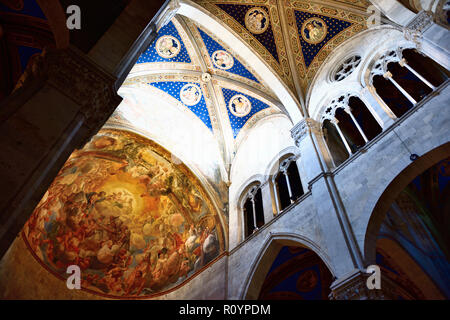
x: 180, y: 54
x: 262, y: 32
x: 288, y: 27
x: 195, y: 102
x: 333, y: 27
x: 237, y: 67
x: 237, y: 119
x: 238, y: 12
x: 334, y: 24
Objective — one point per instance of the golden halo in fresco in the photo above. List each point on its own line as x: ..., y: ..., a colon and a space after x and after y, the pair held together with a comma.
x: 239, y: 105
x: 168, y: 47
x: 135, y: 223
x: 257, y: 20
x: 314, y: 30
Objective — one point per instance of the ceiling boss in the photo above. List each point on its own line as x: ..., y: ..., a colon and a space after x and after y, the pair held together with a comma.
x: 257, y: 20
x: 314, y: 30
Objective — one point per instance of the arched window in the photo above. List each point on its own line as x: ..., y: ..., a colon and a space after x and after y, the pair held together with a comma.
x: 348, y: 125
x: 404, y: 77
x: 288, y: 185
x: 253, y: 212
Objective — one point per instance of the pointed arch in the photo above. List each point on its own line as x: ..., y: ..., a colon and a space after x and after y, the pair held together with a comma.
x: 263, y: 261
x: 391, y: 193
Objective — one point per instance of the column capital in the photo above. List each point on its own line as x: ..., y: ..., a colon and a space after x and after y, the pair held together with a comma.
x: 71, y: 73
x: 334, y: 121
x: 301, y: 129
x: 387, y: 75
x: 414, y: 30
x: 354, y: 287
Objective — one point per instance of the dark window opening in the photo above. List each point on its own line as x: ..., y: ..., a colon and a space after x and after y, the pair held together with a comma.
x: 295, y: 181
x: 364, y: 117
x: 283, y: 192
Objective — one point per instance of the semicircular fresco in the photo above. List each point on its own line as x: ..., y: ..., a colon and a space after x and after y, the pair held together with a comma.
x: 135, y: 223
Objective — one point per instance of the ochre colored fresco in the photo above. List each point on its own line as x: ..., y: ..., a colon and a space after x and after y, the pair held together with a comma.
x: 134, y: 222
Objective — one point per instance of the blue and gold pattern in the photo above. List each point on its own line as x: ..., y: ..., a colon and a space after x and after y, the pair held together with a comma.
x: 177, y: 88
x: 151, y: 54
x: 266, y: 38
x: 316, y: 30
x: 213, y: 46
x: 238, y: 122
x: 339, y: 24
x: 270, y: 45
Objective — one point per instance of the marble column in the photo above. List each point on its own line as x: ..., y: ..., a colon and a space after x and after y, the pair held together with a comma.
x: 267, y: 202
x: 342, y: 248
x: 377, y: 107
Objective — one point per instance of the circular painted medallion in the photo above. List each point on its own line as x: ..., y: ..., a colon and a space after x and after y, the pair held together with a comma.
x: 314, y: 30
x: 257, y: 20
x: 190, y: 94
x: 168, y: 47
x: 240, y: 106
x: 223, y: 60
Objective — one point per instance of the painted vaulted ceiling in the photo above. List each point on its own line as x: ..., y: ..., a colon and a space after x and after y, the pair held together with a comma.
x: 228, y: 104
x: 294, y: 37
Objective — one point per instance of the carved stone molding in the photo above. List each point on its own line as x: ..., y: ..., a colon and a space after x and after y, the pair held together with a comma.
x: 301, y: 129
x: 79, y: 79
x: 354, y: 287
x: 415, y: 29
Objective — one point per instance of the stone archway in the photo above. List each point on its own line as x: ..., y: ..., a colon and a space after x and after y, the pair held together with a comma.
x: 256, y: 279
x: 393, y: 190
x: 407, y: 232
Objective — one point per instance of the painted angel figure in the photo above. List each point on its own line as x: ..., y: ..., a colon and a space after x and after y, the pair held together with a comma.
x: 168, y: 47
x: 315, y: 31
x: 223, y: 59
x: 256, y: 20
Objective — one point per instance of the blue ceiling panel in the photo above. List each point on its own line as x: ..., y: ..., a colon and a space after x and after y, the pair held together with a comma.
x: 334, y: 27
x: 174, y: 88
x: 150, y: 55
x: 238, y: 122
x: 267, y: 38
x: 237, y: 69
